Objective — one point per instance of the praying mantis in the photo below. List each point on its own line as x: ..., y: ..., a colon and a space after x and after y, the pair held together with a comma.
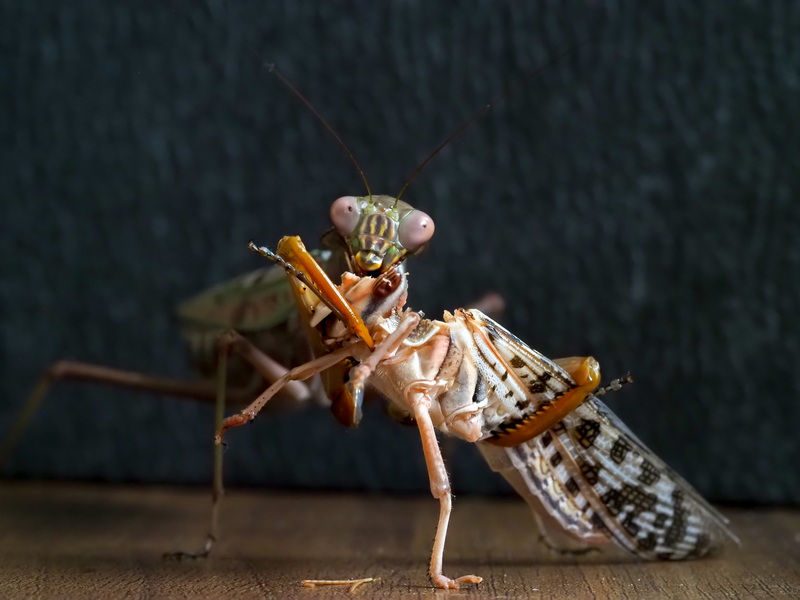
x: 245, y: 331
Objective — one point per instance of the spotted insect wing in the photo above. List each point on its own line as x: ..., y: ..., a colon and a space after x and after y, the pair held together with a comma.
x: 591, y: 478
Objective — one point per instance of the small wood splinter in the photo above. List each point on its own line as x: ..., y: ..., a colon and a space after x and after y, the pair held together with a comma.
x: 353, y: 583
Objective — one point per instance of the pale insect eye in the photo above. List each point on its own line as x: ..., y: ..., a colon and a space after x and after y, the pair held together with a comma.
x: 345, y: 214
x: 415, y: 230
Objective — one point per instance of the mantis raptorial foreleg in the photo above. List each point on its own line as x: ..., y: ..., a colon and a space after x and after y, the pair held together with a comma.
x: 301, y: 373
x: 360, y: 372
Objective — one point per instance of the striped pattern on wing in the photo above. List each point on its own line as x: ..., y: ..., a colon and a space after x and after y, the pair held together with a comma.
x: 516, y: 393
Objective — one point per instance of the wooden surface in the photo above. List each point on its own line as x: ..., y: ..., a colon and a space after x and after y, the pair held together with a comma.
x: 95, y: 541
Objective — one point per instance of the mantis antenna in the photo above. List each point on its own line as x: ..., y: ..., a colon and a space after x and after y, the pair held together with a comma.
x: 482, y: 111
x: 271, y: 68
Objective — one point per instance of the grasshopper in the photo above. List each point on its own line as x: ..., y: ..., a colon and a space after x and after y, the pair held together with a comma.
x: 537, y: 421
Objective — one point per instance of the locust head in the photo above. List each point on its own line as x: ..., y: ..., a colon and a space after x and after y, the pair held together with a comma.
x: 380, y: 231
x: 372, y: 298
x: 375, y: 298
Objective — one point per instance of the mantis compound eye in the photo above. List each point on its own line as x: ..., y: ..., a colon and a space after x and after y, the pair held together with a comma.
x: 415, y: 230
x: 345, y: 214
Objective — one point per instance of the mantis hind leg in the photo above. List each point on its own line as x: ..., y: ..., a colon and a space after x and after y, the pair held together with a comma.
x: 217, y: 488
x: 65, y: 370
x: 270, y: 370
x: 492, y: 305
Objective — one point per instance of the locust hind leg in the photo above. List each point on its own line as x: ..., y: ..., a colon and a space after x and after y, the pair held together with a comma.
x: 552, y: 535
x: 271, y: 371
x: 576, y: 367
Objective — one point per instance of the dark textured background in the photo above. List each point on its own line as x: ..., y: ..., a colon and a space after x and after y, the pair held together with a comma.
x: 635, y: 202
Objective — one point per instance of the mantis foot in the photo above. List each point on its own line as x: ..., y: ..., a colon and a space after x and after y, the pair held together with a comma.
x: 233, y: 421
x: 204, y: 553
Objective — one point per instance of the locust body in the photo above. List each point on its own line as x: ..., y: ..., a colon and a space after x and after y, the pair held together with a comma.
x: 536, y: 421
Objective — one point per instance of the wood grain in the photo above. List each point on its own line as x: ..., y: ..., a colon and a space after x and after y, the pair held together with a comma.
x: 97, y: 541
